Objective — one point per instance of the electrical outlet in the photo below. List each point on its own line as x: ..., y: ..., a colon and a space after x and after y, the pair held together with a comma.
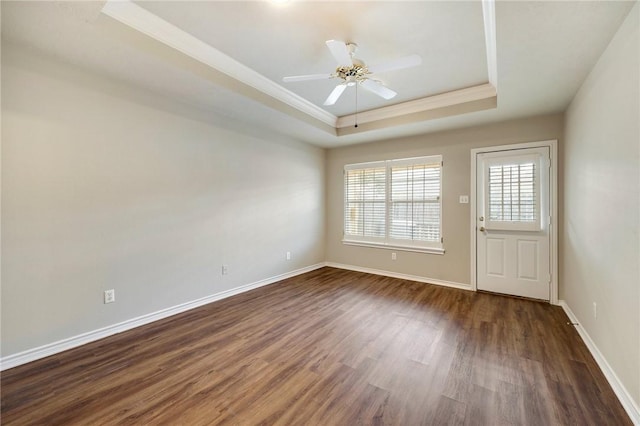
x: 288, y: 255
x: 595, y: 310
x: 109, y: 296
x: 393, y: 256
x: 225, y: 270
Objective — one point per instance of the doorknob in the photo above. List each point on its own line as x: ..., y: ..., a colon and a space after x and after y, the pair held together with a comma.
x: 482, y: 229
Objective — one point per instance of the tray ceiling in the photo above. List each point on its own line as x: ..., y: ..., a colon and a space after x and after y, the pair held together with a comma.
x: 506, y: 60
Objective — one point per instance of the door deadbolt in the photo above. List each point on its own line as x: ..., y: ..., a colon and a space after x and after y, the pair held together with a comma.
x: 482, y: 229
x: 481, y: 218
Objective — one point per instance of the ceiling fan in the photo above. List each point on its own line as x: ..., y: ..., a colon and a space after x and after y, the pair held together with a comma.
x: 353, y: 71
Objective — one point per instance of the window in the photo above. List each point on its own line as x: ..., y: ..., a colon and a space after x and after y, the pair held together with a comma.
x: 394, y: 203
x: 512, y: 193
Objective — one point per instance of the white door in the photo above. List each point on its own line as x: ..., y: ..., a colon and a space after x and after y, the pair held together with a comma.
x: 512, y: 222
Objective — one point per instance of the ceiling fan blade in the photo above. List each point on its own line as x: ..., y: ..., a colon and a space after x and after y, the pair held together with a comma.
x: 377, y: 88
x: 397, y: 64
x: 306, y: 77
x: 335, y: 94
x: 340, y: 51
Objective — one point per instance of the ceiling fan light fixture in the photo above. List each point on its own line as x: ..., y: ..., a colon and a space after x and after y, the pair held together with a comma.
x: 352, y: 73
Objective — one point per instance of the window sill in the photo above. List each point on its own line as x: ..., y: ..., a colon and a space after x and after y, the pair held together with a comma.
x: 428, y: 250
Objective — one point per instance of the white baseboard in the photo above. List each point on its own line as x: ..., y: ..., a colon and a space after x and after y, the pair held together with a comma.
x: 91, y: 336
x: 401, y: 276
x: 630, y: 406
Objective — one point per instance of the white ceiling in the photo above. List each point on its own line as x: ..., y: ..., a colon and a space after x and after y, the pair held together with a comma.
x: 544, y: 52
x: 282, y: 41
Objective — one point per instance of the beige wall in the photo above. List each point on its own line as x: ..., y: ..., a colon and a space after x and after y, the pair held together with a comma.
x: 102, y: 187
x: 601, y: 239
x: 454, y: 146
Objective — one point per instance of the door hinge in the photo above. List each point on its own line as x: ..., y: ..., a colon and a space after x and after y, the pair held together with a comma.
x: 441, y: 240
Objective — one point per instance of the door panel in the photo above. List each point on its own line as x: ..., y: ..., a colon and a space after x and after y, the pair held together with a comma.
x: 495, y: 257
x: 513, y: 222
x: 528, y: 260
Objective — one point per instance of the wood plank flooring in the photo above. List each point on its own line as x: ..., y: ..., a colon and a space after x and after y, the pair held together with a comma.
x: 330, y: 347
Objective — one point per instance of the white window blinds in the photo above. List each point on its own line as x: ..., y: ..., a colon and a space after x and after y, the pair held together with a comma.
x: 365, y: 202
x: 512, y: 193
x: 395, y: 203
x: 415, y: 202
x: 512, y: 185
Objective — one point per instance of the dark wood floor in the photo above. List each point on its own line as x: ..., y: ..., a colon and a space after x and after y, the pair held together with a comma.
x: 330, y: 347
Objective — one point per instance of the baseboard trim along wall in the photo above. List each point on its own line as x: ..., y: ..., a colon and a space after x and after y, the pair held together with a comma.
x: 621, y: 392
x: 91, y: 336
x: 401, y: 276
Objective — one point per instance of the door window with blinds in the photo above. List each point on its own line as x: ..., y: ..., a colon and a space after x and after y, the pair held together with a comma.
x: 394, y: 203
x: 512, y: 193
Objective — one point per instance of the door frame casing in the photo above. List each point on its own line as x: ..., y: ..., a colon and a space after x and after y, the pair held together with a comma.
x: 553, y: 200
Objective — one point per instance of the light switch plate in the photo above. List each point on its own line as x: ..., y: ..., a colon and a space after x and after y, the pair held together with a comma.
x: 464, y: 199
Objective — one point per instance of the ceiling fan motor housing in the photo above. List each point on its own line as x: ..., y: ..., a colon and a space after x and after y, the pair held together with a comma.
x: 353, y: 74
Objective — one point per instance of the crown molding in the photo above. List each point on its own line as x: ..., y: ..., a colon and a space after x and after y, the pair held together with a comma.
x: 443, y: 100
x: 489, y: 19
x: 157, y: 28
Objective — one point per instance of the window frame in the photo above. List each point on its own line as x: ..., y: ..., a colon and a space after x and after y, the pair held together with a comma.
x: 387, y: 242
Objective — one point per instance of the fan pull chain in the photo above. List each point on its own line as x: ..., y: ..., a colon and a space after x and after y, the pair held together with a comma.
x: 356, y: 119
